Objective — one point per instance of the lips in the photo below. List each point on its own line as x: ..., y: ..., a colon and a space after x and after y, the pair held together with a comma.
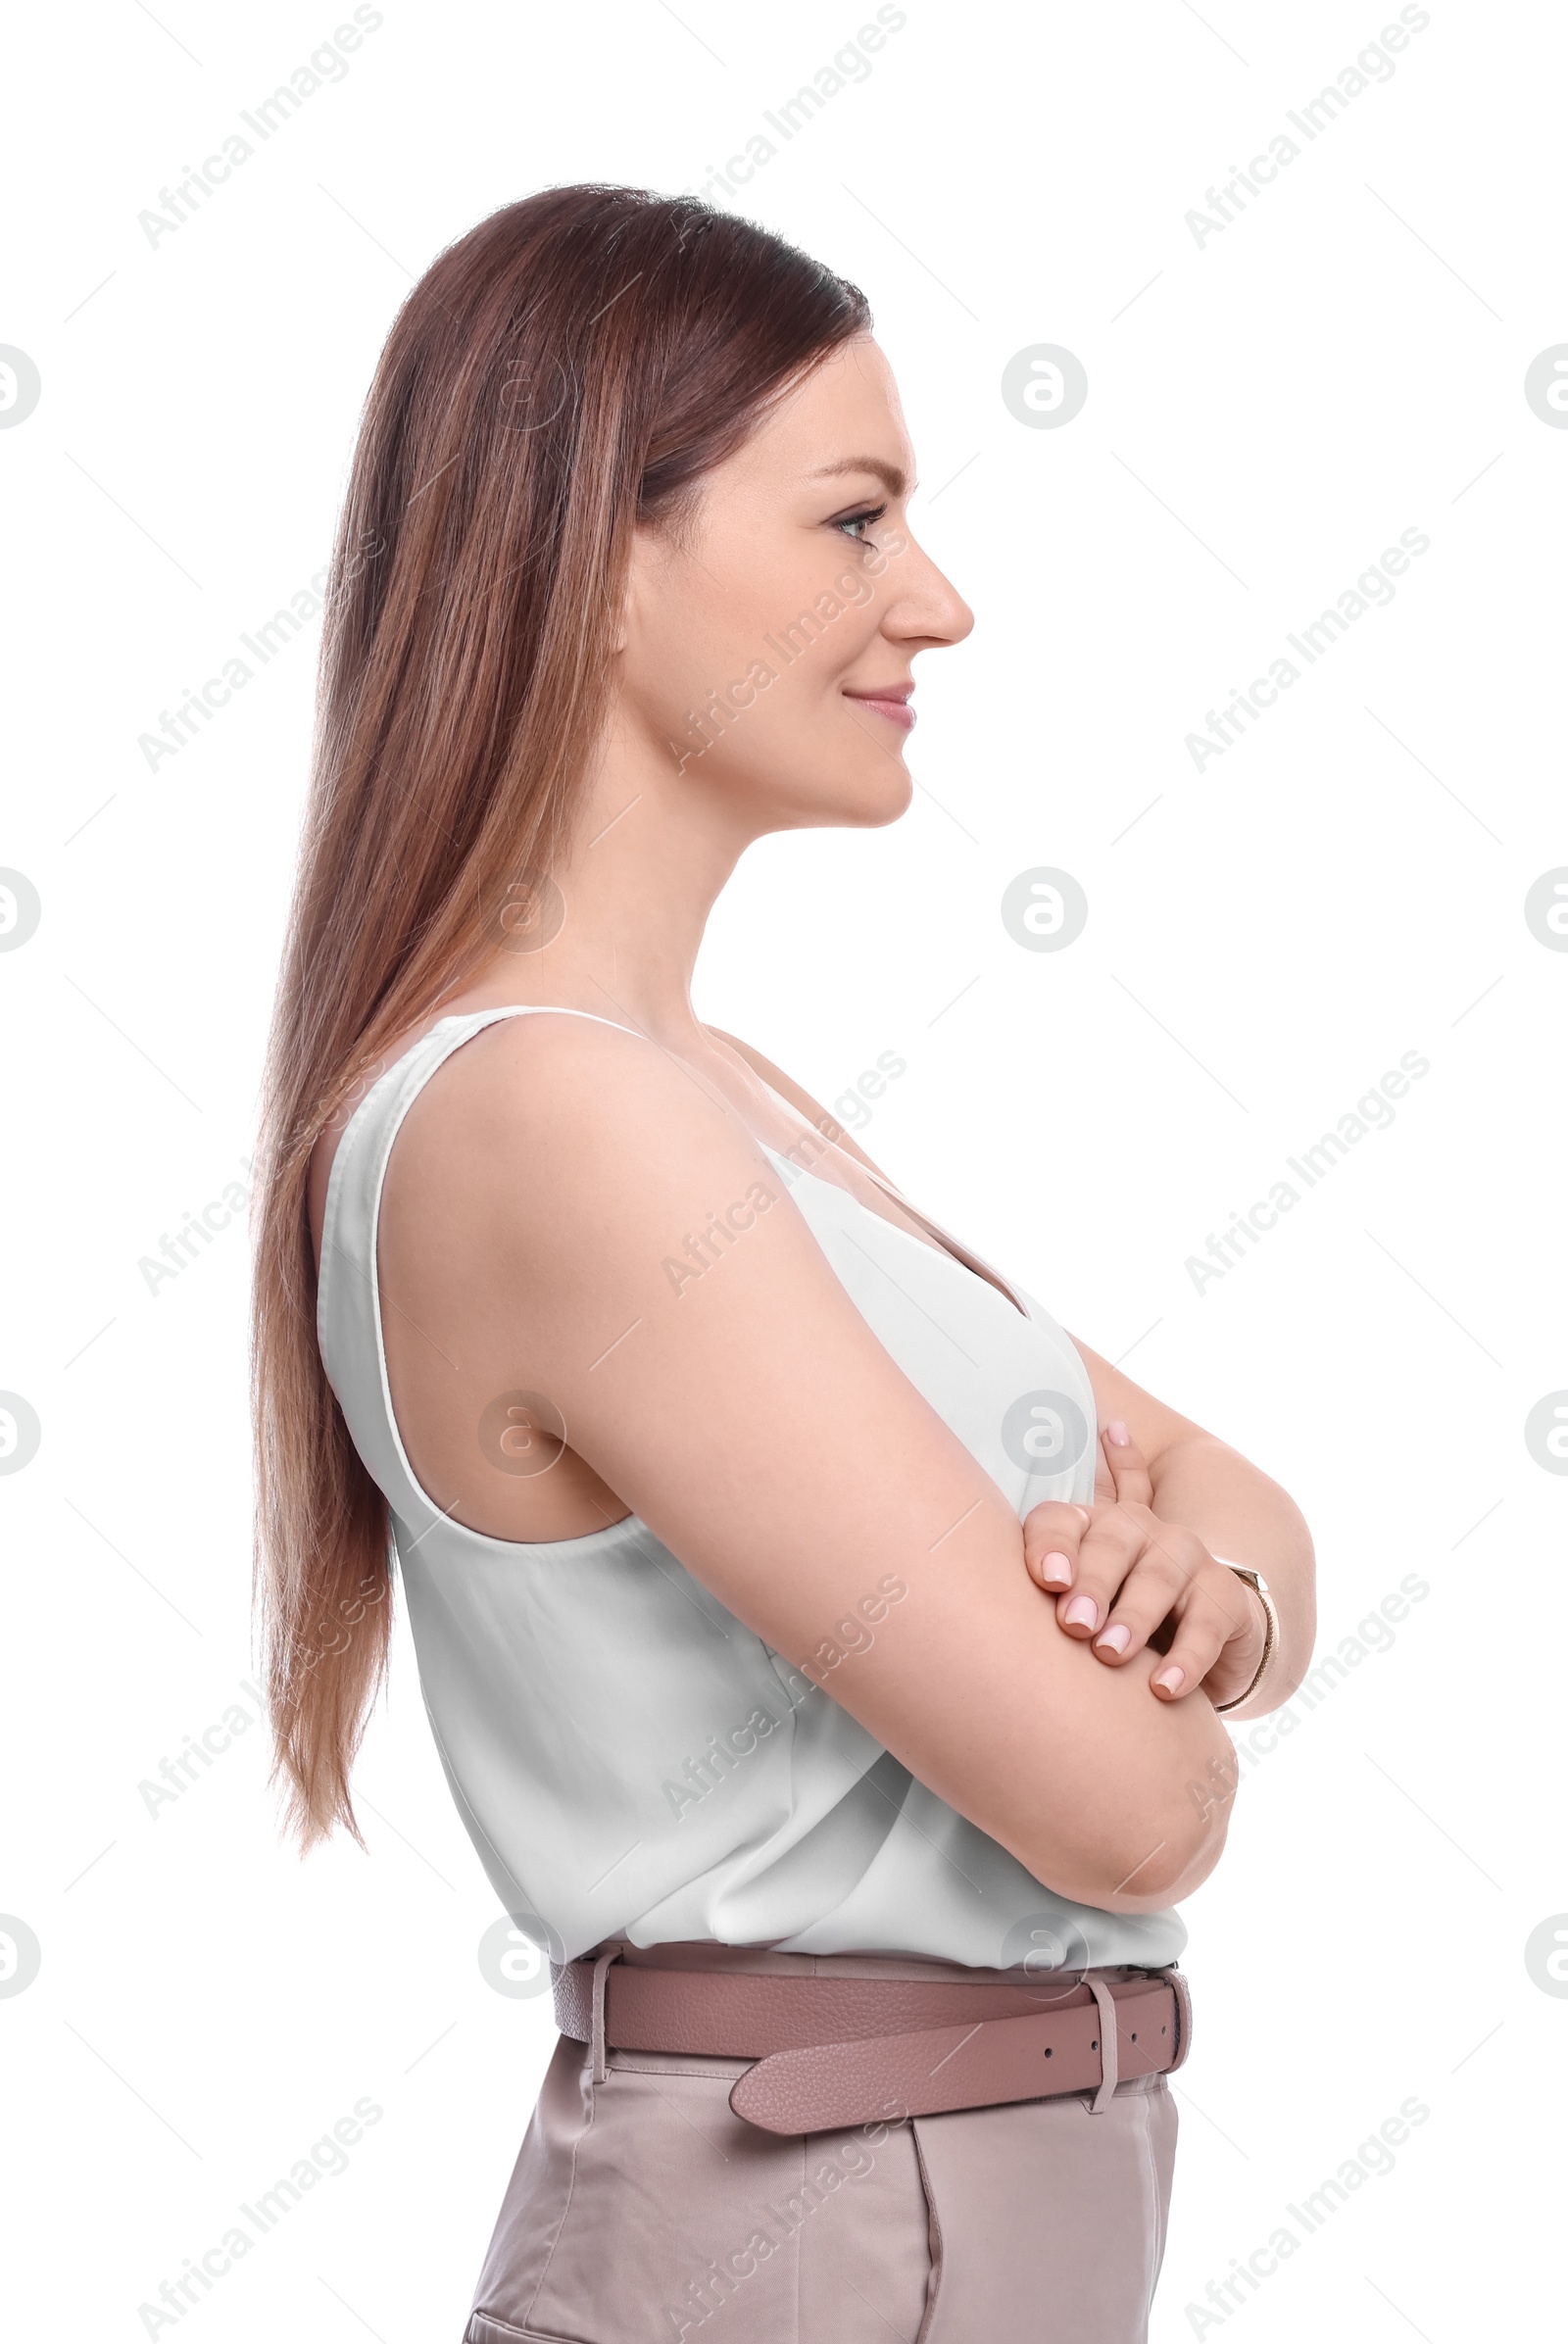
x: 891, y: 702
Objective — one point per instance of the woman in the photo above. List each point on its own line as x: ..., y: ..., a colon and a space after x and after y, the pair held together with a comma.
x: 851, y: 1813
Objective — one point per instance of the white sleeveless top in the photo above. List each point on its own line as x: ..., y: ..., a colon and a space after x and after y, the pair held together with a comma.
x: 628, y: 1758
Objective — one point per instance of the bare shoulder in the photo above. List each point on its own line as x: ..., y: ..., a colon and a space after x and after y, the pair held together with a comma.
x: 572, y: 1115
x: 481, y: 1097
x: 820, y: 1117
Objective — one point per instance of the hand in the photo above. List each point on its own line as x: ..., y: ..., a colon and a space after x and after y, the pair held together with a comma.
x: 1123, y: 1579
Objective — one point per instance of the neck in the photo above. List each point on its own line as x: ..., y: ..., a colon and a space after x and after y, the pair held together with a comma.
x: 653, y: 850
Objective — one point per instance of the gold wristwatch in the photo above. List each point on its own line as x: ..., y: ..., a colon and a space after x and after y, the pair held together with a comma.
x: 1272, y: 1637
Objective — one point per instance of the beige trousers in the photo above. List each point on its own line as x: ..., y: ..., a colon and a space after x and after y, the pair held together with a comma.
x: 642, y: 2211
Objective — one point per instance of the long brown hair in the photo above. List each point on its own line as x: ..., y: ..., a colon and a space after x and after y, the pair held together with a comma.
x: 572, y: 367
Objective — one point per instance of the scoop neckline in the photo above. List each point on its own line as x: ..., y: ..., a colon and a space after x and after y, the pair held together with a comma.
x: 945, y: 1247
x: 1006, y: 1293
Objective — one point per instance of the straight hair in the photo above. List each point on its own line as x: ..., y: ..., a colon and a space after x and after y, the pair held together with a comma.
x: 568, y: 370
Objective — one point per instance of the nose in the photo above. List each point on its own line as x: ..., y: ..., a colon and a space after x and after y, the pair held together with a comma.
x: 924, y: 609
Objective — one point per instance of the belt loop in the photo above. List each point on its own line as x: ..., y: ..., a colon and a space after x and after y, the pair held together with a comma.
x: 1109, y: 2064
x: 601, y: 2063
x: 1184, y: 2016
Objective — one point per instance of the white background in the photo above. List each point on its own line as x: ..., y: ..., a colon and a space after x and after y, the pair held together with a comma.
x: 1266, y: 412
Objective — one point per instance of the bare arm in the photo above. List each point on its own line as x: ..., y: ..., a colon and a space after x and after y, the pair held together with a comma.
x: 1197, y: 1480
x: 754, y: 1421
x: 1201, y: 1482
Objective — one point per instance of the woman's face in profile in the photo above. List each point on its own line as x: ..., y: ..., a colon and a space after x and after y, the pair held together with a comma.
x: 769, y: 636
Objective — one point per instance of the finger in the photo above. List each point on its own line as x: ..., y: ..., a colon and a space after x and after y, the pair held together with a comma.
x: 1106, y: 1552
x: 1206, y: 1623
x: 1148, y: 1595
x: 1129, y: 1470
x: 1051, y: 1531
x: 1187, y: 1663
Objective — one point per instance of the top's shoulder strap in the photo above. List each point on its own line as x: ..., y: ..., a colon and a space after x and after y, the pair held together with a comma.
x: 348, y: 1311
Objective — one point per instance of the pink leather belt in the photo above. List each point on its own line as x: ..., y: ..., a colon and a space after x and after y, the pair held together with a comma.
x: 833, y: 2050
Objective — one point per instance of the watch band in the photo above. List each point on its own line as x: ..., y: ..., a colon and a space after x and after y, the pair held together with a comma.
x: 1271, y: 1635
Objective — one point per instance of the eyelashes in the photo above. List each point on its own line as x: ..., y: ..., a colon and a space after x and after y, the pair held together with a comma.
x: 861, y: 520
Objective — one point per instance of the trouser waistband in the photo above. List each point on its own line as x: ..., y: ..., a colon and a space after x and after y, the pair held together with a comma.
x: 840, y: 2042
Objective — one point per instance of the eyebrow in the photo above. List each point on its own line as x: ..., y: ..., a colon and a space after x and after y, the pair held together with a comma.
x: 893, y: 479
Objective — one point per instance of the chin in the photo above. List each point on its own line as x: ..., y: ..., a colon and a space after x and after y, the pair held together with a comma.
x: 868, y: 799
x: 889, y: 799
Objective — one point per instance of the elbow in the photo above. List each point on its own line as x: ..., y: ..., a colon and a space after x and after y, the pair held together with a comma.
x: 1147, y: 1876
x: 1153, y: 1824
x: 1178, y: 1866
x: 1172, y: 1846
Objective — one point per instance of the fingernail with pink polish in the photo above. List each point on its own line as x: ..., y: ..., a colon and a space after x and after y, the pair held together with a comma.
x: 1115, y: 1639
x: 1171, y: 1678
x: 1118, y: 1434
x: 1056, y: 1570
x: 1082, y: 1612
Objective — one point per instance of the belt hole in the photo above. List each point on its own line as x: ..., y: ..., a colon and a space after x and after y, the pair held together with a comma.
x: 1050, y: 2054
x: 1094, y: 2046
x: 1134, y: 2034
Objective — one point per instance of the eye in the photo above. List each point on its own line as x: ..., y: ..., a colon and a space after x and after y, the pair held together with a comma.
x: 853, y: 522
